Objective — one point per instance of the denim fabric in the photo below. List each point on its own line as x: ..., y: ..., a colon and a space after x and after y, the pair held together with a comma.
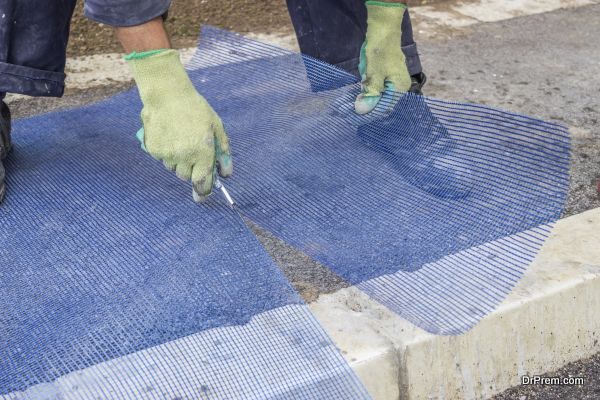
x: 33, y: 41
x: 125, y: 12
x: 34, y: 35
x: 334, y: 30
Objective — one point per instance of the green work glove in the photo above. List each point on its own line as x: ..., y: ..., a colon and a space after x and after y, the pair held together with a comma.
x: 382, y: 64
x: 180, y: 128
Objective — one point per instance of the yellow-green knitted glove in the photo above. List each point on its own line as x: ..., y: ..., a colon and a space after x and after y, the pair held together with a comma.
x: 180, y: 128
x: 382, y: 64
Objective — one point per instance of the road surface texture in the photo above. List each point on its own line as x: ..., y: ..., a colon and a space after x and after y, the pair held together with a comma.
x: 544, y: 65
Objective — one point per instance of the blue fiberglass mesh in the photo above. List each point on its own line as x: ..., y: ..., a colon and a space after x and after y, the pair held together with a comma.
x: 114, y: 284
x: 433, y: 208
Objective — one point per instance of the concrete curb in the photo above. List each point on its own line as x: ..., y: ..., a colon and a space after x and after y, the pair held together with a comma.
x: 547, y: 321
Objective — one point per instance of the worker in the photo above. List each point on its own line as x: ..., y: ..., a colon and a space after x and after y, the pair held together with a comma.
x: 373, y: 39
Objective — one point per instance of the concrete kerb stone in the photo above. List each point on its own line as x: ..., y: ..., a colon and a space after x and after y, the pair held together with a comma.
x: 547, y: 321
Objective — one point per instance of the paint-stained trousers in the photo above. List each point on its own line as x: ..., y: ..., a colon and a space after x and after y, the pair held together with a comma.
x: 334, y: 30
x: 34, y: 35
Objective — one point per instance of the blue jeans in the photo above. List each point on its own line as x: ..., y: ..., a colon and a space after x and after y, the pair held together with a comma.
x: 34, y: 35
x: 334, y: 30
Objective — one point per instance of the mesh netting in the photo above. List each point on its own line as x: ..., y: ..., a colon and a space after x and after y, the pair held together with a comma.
x: 115, y: 284
x: 466, y: 190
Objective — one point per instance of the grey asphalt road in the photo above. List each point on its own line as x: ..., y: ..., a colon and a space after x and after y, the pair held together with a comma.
x: 545, y: 65
x: 589, y: 369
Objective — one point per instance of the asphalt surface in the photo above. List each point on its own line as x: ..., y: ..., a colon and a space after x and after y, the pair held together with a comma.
x: 544, y: 65
x: 589, y: 369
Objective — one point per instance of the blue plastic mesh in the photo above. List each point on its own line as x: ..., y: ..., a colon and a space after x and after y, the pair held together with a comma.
x: 432, y: 208
x: 106, y: 261
x: 378, y: 197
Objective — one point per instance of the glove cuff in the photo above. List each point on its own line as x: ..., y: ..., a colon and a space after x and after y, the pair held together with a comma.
x: 382, y: 16
x: 138, y: 56
x: 159, y: 74
x: 385, y: 4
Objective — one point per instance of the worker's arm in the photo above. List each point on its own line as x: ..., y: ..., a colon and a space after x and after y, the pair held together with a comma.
x: 179, y: 126
x: 382, y: 63
x: 149, y: 36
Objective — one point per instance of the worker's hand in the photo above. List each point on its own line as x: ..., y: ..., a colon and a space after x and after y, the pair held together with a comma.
x: 382, y: 64
x: 180, y: 128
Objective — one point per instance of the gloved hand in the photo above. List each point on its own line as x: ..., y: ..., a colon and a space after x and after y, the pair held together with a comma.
x: 180, y: 128
x: 382, y: 63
